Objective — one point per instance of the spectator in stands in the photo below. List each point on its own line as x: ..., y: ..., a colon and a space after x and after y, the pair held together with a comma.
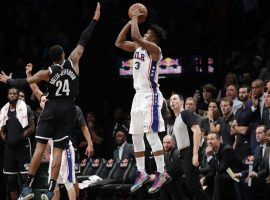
x: 191, y: 104
x: 258, y: 107
x: 230, y: 78
x: 266, y: 112
x: 260, y: 168
x: 231, y: 92
x: 170, y: 191
x: 17, y: 124
x: 241, y: 125
x: 124, y: 150
x: 213, y: 121
x: 220, y: 157
x: 226, y: 106
x: 208, y: 92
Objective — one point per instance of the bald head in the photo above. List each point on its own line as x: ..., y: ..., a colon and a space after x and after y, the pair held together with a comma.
x: 168, y: 143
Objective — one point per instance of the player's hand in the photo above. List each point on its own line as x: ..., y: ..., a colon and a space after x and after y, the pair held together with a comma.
x: 136, y: 12
x: 4, y: 78
x: 97, y: 12
x: 89, y: 150
x: 195, y: 160
x: 28, y: 69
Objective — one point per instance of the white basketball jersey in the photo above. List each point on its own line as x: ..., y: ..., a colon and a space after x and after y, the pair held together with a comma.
x: 145, y: 71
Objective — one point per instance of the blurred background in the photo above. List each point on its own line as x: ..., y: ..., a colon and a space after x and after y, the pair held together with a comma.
x: 206, y: 40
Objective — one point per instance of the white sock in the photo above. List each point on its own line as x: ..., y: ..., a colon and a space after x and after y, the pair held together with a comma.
x: 140, y: 162
x: 160, y: 163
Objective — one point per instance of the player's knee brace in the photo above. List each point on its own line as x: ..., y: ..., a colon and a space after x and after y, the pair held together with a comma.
x: 12, y: 180
x: 154, y: 141
x: 138, y: 142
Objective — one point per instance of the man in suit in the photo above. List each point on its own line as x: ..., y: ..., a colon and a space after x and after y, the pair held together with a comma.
x: 124, y: 150
x: 266, y: 112
x: 171, y: 191
x: 260, y: 167
x: 220, y: 157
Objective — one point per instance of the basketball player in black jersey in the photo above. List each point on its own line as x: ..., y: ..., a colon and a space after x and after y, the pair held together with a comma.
x: 58, y: 116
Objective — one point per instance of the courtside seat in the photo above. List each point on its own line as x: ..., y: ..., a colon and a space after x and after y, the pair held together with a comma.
x: 93, y: 167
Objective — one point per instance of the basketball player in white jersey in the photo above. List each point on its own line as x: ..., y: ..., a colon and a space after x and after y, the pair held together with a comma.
x: 147, y: 102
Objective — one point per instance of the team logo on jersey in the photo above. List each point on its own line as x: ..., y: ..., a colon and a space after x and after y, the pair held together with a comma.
x: 139, y: 55
x: 26, y: 166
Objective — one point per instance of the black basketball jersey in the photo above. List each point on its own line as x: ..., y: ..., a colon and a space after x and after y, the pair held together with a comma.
x: 64, y: 82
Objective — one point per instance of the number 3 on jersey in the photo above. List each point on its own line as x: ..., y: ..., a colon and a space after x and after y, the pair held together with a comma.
x: 137, y: 65
x: 62, y: 88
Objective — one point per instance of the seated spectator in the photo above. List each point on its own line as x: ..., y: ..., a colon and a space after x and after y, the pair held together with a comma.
x: 170, y: 191
x: 124, y: 150
x: 220, y: 157
x: 260, y: 167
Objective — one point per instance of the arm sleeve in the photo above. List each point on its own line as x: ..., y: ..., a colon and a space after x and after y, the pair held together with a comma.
x: 87, y: 33
x: 17, y: 82
x: 189, y: 118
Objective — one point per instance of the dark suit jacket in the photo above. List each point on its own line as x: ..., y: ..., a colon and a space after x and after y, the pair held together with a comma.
x: 169, y: 157
x: 266, y: 118
x: 261, y: 168
x: 220, y: 162
x: 128, y: 152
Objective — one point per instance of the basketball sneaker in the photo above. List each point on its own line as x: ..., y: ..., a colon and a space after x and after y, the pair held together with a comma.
x: 160, y: 180
x: 142, y: 178
x: 26, y: 194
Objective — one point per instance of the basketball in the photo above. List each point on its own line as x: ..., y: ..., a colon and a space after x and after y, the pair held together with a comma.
x: 142, y: 9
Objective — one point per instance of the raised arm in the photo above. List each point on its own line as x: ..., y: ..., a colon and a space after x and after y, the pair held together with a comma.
x: 42, y: 75
x: 34, y: 87
x: 76, y: 54
x: 121, y: 41
x: 151, y: 47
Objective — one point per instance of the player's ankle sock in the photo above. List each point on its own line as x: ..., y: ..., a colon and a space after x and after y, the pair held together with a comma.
x: 52, y: 185
x: 29, y: 180
x: 140, y: 161
x: 160, y: 163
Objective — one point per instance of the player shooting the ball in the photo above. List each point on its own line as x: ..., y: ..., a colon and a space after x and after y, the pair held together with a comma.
x: 146, y: 106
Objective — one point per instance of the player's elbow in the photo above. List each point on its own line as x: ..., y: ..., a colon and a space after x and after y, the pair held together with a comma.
x: 117, y: 44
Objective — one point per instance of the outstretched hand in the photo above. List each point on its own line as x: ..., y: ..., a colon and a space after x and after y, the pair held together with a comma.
x: 97, y: 12
x: 4, y: 78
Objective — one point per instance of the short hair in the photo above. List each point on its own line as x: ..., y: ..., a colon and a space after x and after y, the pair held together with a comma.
x: 180, y: 96
x: 263, y: 126
x: 192, y: 99
x: 55, y: 53
x: 217, y: 134
x: 160, y: 33
x: 226, y: 99
x: 209, y: 88
x: 245, y: 86
x: 13, y: 88
x: 259, y: 82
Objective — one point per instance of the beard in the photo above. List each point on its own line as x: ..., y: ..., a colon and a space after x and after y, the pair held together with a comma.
x: 13, y: 101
